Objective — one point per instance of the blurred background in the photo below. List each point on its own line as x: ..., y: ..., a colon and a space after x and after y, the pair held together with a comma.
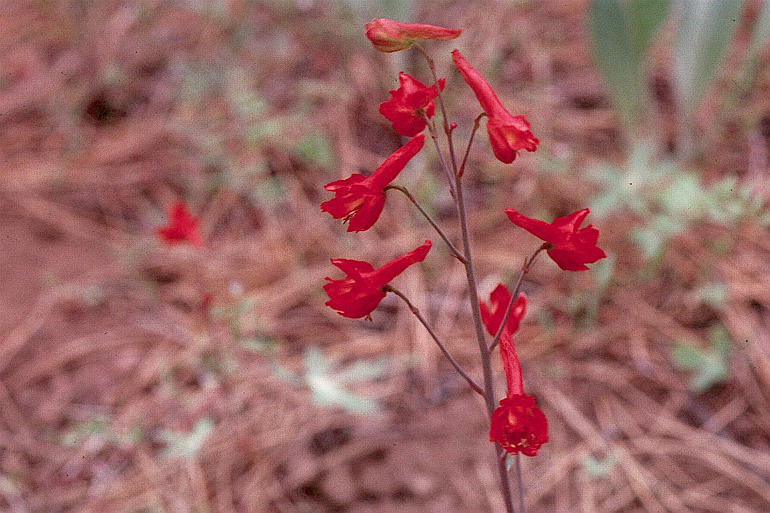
x: 141, y: 377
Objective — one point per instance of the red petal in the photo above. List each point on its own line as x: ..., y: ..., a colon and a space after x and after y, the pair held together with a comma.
x: 536, y: 227
x: 394, y: 164
x: 390, y: 270
x: 481, y: 88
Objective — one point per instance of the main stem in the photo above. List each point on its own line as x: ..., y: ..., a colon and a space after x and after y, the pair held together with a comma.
x: 486, y: 364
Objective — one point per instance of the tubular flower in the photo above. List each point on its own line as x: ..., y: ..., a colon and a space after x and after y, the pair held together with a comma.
x: 517, y: 424
x: 492, y: 316
x: 508, y: 134
x: 181, y: 227
x: 361, y: 290
x: 408, y: 102
x: 360, y: 199
x: 571, y: 247
x: 391, y: 36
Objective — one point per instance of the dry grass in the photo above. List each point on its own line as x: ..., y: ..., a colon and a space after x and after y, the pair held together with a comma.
x: 111, y: 111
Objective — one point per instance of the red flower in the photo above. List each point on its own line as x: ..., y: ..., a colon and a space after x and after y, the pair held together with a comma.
x: 391, y: 36
x: 406, y: 104
x: 359, y: 293
x: 508, y: 134
x: 360, y: 199
x: 181, y: 226
x: 492, y: 316
x: 571, y: 247
x: 518, y: 425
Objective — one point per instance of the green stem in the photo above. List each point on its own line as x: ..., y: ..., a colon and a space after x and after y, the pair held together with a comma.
x: 456, y: 252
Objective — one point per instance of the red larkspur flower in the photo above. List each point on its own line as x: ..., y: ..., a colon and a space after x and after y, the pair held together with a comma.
x: 360, y: 291
x: 181, y: 227
x: 407, y: 102
x: 571, y: 247
x: 518, y: 425
x: 391, y: 36
x: 508, y: 134
x: 492, y: 316
x: 360, y: 199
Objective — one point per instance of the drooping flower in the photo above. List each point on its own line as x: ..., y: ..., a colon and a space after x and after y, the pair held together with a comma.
x: 391, y: 36
x: 361, y: 290
x: 508, y: 134
x: 492, y: 316
x: 571, y: 247
x: 518, y: 425
x: 360, y: 199
x: 182, y: 226
x: 408, y: 102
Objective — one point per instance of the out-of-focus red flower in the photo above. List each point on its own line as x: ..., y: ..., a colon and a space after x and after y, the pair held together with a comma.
x: 407, y: 102
x: 360, y: 291
x: 571, y: 247
x: 391, y: 36
x: 508, y: 134
x: 518, y: 425
x: 360, y: 199
x: 181, y: 227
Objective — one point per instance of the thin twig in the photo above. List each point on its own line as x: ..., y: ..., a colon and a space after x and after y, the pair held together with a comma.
x: 524, y: 270
x: 457, y: 254
x: 476, y: 388
x: 520, y: 482
x: 476, y: 123
x: 444, y: 166
x: 447, y: 128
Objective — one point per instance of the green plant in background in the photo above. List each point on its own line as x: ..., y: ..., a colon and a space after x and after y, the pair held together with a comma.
x: 705, y: 28
x: 327, y: 381
x: 708, y: 366
x: 668, y: 198
x: 621, y: 34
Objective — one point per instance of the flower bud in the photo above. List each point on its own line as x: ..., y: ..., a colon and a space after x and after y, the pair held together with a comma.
x: 391, y: 36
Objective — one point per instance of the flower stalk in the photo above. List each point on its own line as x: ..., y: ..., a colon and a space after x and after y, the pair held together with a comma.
x: 517, y: 425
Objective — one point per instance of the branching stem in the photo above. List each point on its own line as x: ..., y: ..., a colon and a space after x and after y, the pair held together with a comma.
x: 476, y: 388
x: 456, y: 252
x: 524, y: 270
x: 476, y: 123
